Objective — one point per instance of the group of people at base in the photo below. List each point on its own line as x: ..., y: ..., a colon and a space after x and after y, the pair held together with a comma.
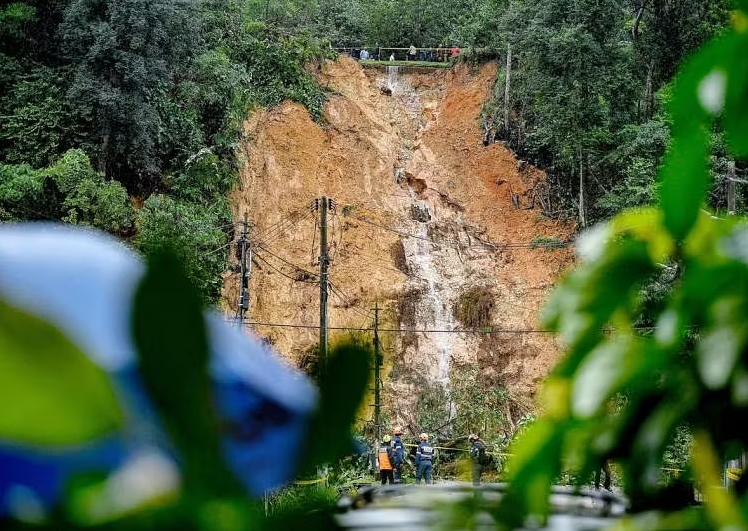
x: 391, y: 457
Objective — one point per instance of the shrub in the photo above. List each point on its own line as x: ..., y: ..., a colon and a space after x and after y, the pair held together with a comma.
x: 474, y: 307
x: 194, y: 232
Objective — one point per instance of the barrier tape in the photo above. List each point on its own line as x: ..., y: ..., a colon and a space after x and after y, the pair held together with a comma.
x: 461, y: 450
x: 309, y: 481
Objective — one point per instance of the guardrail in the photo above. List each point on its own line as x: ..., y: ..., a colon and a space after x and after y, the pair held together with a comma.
x: 423, y: 54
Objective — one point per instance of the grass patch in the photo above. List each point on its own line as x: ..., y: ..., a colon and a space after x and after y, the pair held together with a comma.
x: 407, y: 304
x: 474, y: 308
x: 546, y: 242
x: 397, y: 251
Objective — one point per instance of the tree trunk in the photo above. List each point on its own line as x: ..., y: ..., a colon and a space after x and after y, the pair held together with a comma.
x: 731, y: 188
x: 648, y: 106
x: 637, y: 20
x: 582, y: 216
x: 507, y: 88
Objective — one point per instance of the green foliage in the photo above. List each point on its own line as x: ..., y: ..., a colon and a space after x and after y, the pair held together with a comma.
x: 197, y: 233
x: 480, y: 404
x: 14, y: 18
x: 704, y: 312
x: 70, y: 190
x: 432, y: 412
x: 169, y: 331
x: 277, y: 73
x: 124, y: 55
x: 205, y: 180
x: 156, y: 96
x: 299, y: 500
x: 53, y: 394
x: 583, y: 102
x: 546, y: 242
x: 342, y: 385
x: 39, y: 123
x: 474, y: 308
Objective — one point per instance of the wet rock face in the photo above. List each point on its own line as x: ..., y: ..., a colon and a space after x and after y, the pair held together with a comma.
x: 420, y: 220
x: 420, y: 213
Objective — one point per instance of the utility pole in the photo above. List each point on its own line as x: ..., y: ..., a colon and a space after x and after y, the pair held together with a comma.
x: 377, y: 379
x: 731, y: 188
x: 246, y: 270
x: 324, y: 263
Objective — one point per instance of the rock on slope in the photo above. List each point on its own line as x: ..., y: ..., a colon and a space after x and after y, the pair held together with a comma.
x: 423, y: 214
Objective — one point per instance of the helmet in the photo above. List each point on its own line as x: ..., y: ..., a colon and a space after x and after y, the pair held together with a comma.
x: 386, y: 438
x: 397, y: 431
x: 425, y: 436
x: 472, y: 437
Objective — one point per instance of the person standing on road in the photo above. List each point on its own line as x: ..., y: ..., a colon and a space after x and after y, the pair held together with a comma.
x: 398, y: 454
x: 412, y: 53
x: 424, y: 460
x: 607, y: 472
x: 385, y: 458
x: 477, y: 456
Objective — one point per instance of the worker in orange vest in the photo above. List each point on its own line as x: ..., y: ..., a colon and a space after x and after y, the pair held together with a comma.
x: 384, y: 457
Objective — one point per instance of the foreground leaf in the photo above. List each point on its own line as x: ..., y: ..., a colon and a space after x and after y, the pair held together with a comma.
x: 52, y: 394
x: 341, y: 391
x: 172, y: 342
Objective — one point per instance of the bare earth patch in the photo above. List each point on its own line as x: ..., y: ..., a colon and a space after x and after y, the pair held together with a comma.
x: 405, y: 152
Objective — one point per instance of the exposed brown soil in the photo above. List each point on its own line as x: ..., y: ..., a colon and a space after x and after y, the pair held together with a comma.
x: 382, y: 157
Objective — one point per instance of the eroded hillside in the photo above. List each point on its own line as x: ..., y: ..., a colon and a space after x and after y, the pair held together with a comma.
x: 424, y: 213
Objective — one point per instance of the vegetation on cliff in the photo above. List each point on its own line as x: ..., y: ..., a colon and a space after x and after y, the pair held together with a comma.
x: 115, y: 116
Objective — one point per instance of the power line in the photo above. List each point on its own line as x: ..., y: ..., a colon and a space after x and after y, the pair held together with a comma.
x: 271, y: 266
x: 298, y: 268
x: 348, y: 301
x: 486, y: 331
x: 276, y: 229
x: 309, y: 327
x: 213, y: 251
x: 499, y: 246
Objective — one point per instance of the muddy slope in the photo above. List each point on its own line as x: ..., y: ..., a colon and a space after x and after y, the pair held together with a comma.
x: 424, y: 213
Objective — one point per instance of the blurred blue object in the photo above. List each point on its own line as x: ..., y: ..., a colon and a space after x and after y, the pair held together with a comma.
x: 83, y: 281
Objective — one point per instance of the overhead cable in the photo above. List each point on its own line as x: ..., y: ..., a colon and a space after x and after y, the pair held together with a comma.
x: 496, y: 246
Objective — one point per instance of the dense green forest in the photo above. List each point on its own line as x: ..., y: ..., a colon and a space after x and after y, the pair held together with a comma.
x: 125, y: 115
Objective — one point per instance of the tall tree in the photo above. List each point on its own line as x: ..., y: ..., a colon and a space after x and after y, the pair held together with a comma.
x: 126, y: 53
x: 571, y: 89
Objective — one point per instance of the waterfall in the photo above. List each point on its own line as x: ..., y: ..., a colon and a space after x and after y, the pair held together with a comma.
x: 392, y: 78
x: 433, y: 304
x: 436, y: 279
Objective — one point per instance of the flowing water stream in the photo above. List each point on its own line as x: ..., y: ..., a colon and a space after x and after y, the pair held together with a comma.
x: 434, y: 281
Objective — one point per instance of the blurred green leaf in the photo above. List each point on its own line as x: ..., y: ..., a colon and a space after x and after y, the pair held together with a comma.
x: 736, y: 126
x: 684, y: 181
x: 698, y: 98
x: 51, y: 392
x: 532, y: 470
x: 172, y: 342
x: 342, y: 388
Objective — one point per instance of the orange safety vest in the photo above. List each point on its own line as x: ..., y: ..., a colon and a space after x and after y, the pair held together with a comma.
x: 384, y: 458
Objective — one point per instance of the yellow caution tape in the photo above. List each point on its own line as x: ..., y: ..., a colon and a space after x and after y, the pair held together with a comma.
x: 734, y: 473
x: 309, y: 481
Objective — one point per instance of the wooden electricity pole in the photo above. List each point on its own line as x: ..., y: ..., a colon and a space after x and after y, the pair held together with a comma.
x: 246, y: 271
x: 324, y: 262
x: 377, y: 376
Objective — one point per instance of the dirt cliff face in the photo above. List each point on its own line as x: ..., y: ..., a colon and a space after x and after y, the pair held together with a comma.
x: 423, y: 213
